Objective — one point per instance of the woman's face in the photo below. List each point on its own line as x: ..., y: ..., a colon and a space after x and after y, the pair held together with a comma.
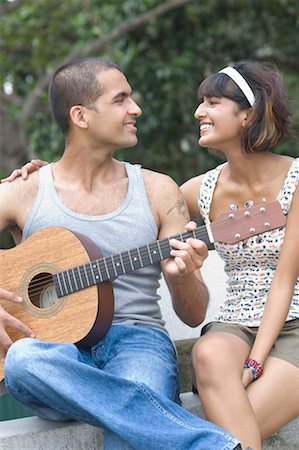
x: 220, y: 122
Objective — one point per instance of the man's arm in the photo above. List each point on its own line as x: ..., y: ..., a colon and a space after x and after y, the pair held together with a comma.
x: 181, y: 271
x: 14, y: 202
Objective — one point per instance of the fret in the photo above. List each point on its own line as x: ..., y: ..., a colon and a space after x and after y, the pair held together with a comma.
x: 159, y: 249
x: 136, y: 259
x: 118, y: 263
x: 202, y: 234
x: 139, y: 254
x: 96, y: 273
x: 80, y: 277
x: 122, y: 262
x: 99, y: 270
x: 65, y: 291
x: 75, y: 279
x: 92, y: 273
x: 149, y: 254
x: 145, y: 255
x: 114, y: 267
x: 71, y: 284
x: 110, y: 268
x: 86, y: 275
x: 83, y: 277
x: 166, y: 248
x: 57, y: 284
x: 60, y: 284
x: 154, y: 253
x: 130, y: 260
x: 102, y: 269
x: 126, y: 261
x: 106, y: 269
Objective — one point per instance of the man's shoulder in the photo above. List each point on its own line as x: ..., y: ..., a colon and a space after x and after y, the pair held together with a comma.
x: 156, y: 181
x: 20, y: 186
x: 16, y: 200
x: 164, y: 195
x: 18, y: 194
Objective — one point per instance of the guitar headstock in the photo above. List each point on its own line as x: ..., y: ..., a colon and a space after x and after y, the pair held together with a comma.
x: 236, y: 226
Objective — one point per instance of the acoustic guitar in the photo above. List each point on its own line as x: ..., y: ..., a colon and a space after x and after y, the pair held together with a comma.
x: 66, y: 284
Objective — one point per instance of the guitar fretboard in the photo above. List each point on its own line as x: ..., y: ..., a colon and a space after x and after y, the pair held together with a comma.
x: 108, y: 268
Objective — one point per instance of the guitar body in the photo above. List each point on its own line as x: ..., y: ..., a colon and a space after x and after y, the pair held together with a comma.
x: 82, y: 317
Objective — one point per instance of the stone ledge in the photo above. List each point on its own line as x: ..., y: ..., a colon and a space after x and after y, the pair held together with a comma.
x: 286, y: 439
x: 33, y: 433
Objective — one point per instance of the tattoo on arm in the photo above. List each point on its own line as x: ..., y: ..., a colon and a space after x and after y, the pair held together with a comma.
x: 179, y: 206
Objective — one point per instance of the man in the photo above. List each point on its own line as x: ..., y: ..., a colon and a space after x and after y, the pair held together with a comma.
x: 127, y: 382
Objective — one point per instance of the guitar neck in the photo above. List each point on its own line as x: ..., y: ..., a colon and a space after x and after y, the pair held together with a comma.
x: 229, y: 227
x: 103, y: 269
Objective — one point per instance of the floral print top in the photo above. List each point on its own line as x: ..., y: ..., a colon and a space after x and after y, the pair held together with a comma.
x: 250, y: 266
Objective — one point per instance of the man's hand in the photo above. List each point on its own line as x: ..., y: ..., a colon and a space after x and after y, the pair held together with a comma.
x: 24, y: 172
x: 186, y: 256
x: 8, y: 320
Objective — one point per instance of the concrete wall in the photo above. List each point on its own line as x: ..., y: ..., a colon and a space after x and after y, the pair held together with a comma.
x: 215, y: 278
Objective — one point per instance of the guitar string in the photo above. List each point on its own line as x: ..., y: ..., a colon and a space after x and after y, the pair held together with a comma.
x: 164, y: 245
x: 108, y: 263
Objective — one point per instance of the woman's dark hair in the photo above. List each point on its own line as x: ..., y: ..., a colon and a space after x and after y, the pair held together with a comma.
x: 269, y: 118
x: 76, y: 83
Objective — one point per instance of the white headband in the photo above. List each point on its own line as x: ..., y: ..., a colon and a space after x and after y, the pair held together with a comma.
x: 241, y: 82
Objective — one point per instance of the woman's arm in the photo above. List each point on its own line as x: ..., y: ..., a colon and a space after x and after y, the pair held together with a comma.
x: 281, y: 291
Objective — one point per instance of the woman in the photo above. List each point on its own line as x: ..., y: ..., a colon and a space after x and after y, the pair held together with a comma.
x: 246, y: 364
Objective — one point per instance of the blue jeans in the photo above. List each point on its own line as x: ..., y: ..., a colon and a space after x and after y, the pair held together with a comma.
x: 127, y: 383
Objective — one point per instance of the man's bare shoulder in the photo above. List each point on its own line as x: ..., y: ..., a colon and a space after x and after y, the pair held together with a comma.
x: 166, y: 199
x: 16, y: 199
x: 156, y: 181
x: 19, y: 186
x: 162, y: 190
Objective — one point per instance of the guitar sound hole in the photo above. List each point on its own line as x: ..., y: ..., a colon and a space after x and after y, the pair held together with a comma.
x: 41, y: 291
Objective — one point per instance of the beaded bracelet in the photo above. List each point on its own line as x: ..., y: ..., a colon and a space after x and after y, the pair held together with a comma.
x: 255, y: 367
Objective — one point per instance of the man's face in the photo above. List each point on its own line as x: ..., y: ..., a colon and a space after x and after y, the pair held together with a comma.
x: 112, y: 121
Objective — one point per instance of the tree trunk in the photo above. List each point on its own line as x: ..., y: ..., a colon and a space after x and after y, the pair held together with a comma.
x: 14, y: 147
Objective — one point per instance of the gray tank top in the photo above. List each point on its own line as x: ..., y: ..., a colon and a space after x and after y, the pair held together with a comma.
x: 131, y: 225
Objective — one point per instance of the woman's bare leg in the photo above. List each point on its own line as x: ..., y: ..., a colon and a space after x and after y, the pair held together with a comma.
x: 275, y: 396
x: 218, y: 360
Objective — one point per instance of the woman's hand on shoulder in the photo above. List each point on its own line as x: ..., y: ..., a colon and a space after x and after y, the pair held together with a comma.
x: 25, y: 170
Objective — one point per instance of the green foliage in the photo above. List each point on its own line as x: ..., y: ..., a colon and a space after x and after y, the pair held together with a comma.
x: 165, y: 60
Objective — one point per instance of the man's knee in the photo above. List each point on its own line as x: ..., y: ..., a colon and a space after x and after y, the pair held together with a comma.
x: 19, y: 357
